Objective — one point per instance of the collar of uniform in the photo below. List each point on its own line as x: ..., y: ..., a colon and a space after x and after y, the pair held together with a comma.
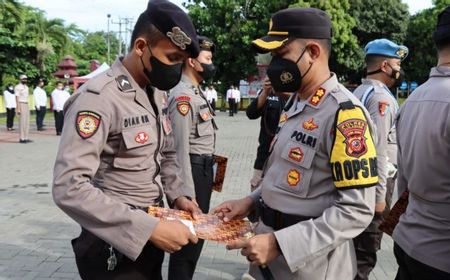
x: 189, y: 82
x: 440, y: 71
x: 316, y: 99
x: 126, y: 83
x: 372, y: 82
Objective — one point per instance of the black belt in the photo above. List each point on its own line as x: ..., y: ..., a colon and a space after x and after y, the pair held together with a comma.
x: 145, y: 209
x: 278, y: 220
x: 205, y: 160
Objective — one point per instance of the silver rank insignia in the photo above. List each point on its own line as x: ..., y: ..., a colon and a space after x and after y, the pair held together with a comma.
x: 179, y: 38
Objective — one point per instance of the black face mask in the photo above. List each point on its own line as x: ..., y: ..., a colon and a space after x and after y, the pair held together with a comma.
x: 397, y: 75
x: 209, y: 70
x: 285, y: 75
x: 163, y: 76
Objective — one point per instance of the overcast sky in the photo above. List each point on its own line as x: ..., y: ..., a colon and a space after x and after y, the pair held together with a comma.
x: 92, y: 14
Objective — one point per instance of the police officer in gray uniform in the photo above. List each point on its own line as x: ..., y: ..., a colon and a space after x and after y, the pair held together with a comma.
x: 317, y: 191
x: 422, y: 236
x: 117, y: 157
x: 383, y: 60
x: 194, y: 132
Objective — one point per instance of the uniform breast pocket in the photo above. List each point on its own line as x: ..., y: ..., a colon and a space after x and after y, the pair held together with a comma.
x: 204, y: 125
x: 136, y: 148
x: 296, y: 172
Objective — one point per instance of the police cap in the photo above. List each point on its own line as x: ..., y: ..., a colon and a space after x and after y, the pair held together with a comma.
x: 442, y: 32
x: 387, y: 48
x: 308, y: 23
x: 174, y: 23
x: 206, y: 44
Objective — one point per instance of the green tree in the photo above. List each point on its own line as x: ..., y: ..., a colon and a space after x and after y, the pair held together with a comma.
x: 346, y: 56
x: 233, y: 24
x: 422, y: 53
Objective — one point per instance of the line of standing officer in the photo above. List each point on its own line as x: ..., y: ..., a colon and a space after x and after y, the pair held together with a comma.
x: 117, y: 157
x: 194, y: 132
x: 383, y: 60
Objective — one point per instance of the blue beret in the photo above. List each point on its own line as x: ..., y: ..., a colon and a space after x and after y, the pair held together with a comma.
x: 175, y: 24
x: 385, y: 47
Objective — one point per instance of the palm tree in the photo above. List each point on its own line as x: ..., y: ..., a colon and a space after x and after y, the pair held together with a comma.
x: 50, y: 37
x: 10, y: 14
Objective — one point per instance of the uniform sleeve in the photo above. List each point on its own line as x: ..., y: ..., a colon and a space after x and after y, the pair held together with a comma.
x: 252, y: 110
x: 181, y: 115
x: 348, y: 216
x: 381, y: 112
x: 77, y: 161
x: 402, y: 182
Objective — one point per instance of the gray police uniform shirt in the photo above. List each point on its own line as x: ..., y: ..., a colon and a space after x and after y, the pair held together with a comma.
x: 193, y: 125
x: 322, y: 166
x: 423, y: 134
x: 116, y: 152
x: 382, y: 107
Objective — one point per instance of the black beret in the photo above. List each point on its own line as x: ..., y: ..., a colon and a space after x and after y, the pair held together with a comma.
x: 174, y: 23
x: 442, y: 32
x: 206, y: 44
x: 308, y: 23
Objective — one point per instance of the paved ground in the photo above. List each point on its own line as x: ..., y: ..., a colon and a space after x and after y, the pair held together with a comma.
x: 35, y: 235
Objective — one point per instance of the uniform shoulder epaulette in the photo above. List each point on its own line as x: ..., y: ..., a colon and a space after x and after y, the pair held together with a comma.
x: 95, y: 85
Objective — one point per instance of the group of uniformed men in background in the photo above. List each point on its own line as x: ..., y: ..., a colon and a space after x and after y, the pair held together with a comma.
x: 330, y: 163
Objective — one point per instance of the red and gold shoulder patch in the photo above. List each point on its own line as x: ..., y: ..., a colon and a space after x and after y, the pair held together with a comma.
x: 310, y: 125
x: 87, y: 123
x: 182, y: 98
x: 317, y: 97
x: 293, y: 177
x: 383, y: 107
x: 183, y: 107
x: 141, y: 137
x: 354, y: 130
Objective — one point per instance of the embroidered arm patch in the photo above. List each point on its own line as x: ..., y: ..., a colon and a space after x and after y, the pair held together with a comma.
x: 183, y: 107
x: 353, y: 155
x: 87, y: 123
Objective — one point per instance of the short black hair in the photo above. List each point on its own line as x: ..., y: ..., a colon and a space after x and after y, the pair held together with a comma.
x: 443, y: 44
x: 324, y: 43
x: 374, y: 60
x: 59, y: 82
x: 145, y: 28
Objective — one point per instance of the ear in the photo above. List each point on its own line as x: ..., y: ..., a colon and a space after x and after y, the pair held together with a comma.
x: 314, y: 50
x: 140, y: 44
x: 191, y: 62
x: 384, y: 65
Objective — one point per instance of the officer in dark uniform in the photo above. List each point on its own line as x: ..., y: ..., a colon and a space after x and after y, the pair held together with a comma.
x: 194, y: 132
x: 268, y: 105
x: 117, y: 157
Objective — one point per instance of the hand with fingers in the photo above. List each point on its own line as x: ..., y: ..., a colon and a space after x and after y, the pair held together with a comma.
x: 259, y: 250
x: 234, y: 209
x: 171, y: 236
x: 186, y: 204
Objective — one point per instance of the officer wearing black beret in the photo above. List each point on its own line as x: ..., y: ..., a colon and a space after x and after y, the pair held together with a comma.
x: 194, y: 130
x: 317, y: 191
x: 117, y: 157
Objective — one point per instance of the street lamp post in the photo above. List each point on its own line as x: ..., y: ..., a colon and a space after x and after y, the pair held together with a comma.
x: 109, y: 42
